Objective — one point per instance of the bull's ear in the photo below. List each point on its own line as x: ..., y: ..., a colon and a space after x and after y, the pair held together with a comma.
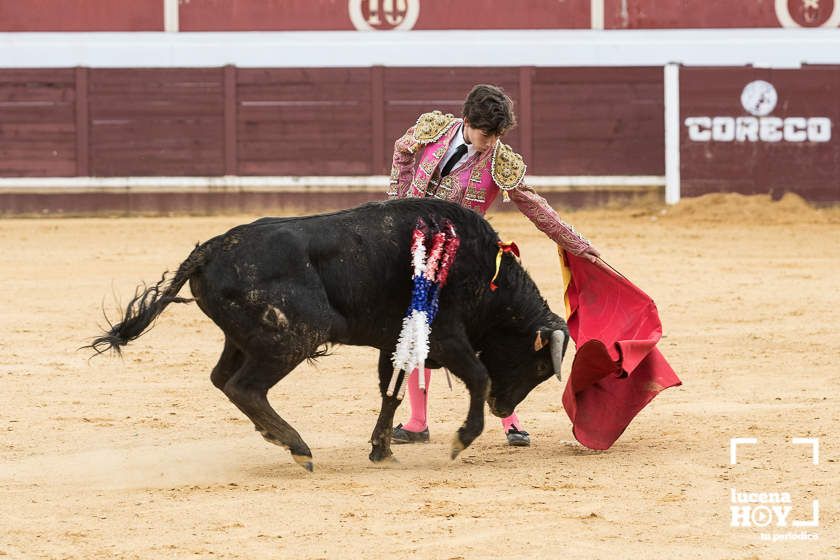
x: 542, y: 340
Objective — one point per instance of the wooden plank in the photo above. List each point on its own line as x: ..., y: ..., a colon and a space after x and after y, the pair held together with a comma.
x: 82, y: 123
x: 40, y: 168
x: 302, y: 167
x: 230, y: 120
x: 600, y: 74
x: 524, y: 110
x: 300, y: 77
x: 185, y: 107
x: 37, y: 75
x: 20, y: 92
x: 345, y: 150
x: 379, y: 163
x: 19, y: 113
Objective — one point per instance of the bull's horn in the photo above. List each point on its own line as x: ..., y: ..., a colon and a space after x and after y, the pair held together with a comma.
x: 559, y: 340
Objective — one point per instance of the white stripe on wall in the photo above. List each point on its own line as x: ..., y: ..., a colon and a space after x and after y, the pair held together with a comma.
x: 672, y: 133
x: 170, y: 16
x: 776, y: 48
x: 597, y: 13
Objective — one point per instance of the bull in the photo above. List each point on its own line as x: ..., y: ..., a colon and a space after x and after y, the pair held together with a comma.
x: 283, y: 289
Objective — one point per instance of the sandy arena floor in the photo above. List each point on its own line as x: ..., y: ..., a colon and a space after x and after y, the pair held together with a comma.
x: 142, y: 457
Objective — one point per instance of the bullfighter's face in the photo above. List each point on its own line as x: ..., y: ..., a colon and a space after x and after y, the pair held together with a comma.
x: 479, y: 139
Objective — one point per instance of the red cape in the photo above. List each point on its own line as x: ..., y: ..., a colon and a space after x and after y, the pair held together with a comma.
x: 617, y: 369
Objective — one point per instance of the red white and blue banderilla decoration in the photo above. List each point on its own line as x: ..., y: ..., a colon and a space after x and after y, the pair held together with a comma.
x: 429, y: 275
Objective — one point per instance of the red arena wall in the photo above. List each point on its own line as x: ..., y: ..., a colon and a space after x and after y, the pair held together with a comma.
x: 715, y: 14
x: 311, y: 15
x: 384, y: 15
x: 81, y: 15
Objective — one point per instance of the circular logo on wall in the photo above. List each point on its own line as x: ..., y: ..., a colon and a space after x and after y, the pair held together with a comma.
x: 759, y: 98
x: 808, y: 13
x: 383, y: 15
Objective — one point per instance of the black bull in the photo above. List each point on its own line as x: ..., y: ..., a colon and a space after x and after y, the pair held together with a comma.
x: 283, y: 288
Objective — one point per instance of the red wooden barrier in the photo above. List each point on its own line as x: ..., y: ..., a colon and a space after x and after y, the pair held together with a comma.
x: 340, y: 121
x: 742, y: 129
x: 304, y: 121
x: 37, y: 122
x: 598, y: 121
x: 157, y: 121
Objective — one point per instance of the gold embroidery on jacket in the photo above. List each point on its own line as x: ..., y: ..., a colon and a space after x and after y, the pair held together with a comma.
x: 447, y: 188
x: 475, y: 195
x: 428, y: 167
x: 507, y: 167
x: 475, y: 174
x: 431, y: 126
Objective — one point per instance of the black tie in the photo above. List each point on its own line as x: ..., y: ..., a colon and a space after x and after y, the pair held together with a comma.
x: 456, y: 157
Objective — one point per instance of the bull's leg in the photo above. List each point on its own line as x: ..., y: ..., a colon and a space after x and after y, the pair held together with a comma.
x: 230, y: 361
x: 248, y: 389
x: 277, y: 326
x: 380, y: 440
x: 458, y: 355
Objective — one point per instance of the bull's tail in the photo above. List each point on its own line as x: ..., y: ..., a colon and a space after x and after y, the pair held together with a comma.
x: 149, y: 302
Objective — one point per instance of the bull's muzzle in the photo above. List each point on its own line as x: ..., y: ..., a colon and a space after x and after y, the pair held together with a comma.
x: 559, y: 341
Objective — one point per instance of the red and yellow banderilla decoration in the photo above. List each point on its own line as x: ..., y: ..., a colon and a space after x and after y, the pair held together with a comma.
x: 503, y: 248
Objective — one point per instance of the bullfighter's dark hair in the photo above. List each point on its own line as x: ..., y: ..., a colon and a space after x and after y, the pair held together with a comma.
x: 489, y: 109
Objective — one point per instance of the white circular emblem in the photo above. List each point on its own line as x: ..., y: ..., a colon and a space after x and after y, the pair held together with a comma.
x: 382, y: 15
x: 787, y: 20
x: 759, y: 98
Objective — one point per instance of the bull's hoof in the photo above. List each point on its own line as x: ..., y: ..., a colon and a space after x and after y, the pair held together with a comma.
x: 386, y: 461
x: 379, y: 455
x: 304, y: 461
x: 457, y: 446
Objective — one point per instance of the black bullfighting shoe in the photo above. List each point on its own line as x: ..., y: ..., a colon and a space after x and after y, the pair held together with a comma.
x: 517, y: 438
x: 401, y: 435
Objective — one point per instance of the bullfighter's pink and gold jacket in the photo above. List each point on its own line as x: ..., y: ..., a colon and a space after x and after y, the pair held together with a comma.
x: 476, y: 182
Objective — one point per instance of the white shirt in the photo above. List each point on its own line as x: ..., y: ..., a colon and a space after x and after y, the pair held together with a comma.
x: 457, y: 140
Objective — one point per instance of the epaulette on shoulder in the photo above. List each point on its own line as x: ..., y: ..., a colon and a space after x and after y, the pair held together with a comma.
x: 508, y: 167
x: 431, y: 126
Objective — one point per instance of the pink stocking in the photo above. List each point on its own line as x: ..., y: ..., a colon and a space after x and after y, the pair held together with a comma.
x: 511, y: 421
x: 419, y: 401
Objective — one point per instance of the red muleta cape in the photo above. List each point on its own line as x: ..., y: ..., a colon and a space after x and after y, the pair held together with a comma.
x: 617, y: 369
